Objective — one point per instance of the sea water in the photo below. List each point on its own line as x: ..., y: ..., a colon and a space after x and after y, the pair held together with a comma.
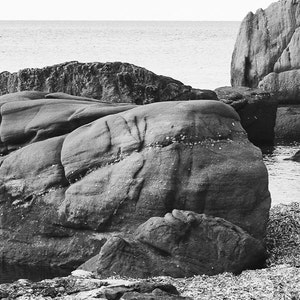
x: 284, y: 174
x: 196, y: 53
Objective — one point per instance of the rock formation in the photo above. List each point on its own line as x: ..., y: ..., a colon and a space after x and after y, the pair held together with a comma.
x: 110, y: 82
x: 257, y: 110
x: 288, y: 123
x: 75, y: 172
x: 85, y: 286
x: 181, y: 244
x: 29, y: 117
x: 266, y: 53
x: 295, y: 157
x: 122, y: 82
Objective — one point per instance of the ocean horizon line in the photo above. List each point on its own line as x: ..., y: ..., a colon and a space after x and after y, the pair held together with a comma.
x: 164, y: 21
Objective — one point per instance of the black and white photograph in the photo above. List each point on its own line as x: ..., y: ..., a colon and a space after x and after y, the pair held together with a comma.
x: 150, y: 150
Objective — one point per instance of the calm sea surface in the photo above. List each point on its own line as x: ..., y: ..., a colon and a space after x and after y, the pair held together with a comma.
x: 284, y: 175
x: 196, y: 53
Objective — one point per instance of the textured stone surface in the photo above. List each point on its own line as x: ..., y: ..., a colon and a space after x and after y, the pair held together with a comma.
x: 110, y: 82
x: 295, y: 157
x: 33, y: 183
x: 257, y: 110
x: 266, y: 52
x: 284, y: 86
x: 87, y: 288
x: 66, y: 186
x: 181, y: 244
x: 151, y: 159
x: 284, y: 81
x: 28, y: 117
x: 288, y: 123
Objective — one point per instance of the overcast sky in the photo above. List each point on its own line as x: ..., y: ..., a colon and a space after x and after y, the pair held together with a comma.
x: 194, y: 10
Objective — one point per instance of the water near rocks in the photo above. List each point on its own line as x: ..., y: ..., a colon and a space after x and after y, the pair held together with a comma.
x: 284, y: 175
x: 196, y: 53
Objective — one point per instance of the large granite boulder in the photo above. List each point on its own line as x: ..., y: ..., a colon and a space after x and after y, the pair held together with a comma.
x: 109, y: 82
x: 257, y: 110
x: 266, y: 53
x: 151, y: 159
x: 181, y: 244
x: 74, y: 172
x: 122, y: 82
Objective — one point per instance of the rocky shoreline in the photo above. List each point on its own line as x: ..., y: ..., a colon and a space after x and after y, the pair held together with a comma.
x: 114, y: 170
x: 279, y: 280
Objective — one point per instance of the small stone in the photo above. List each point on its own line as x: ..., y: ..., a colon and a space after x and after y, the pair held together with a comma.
x: 82, y: 274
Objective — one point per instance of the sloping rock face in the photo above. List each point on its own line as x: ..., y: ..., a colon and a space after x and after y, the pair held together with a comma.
x: 74, y: 172
x: 110, y: 82
x: 266, y: 53
x: 29, y: 117
x: 181, y: 244
x: 257, y: 110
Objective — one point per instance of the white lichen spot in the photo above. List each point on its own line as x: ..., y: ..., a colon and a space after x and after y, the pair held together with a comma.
x: 17, y: 202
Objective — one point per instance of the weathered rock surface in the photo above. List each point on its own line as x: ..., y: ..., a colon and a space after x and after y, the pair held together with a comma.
x: 65, y: 191
x: 266, y: 52
x: 295, y: 157
x: 181, y: 244
x: 33, y: 183
x: 88, y: 287
x: 29, y: 117
x: 284, y: 86
x: 140, y: 170
x: 288, y: 123
x: 116, y: 82
x: 257, y: 110
x: 110, y: 82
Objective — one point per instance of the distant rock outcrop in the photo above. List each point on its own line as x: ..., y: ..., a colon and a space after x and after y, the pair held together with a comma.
x: 110, y: 82
x: 74, y: 172
x: 267, y: 54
